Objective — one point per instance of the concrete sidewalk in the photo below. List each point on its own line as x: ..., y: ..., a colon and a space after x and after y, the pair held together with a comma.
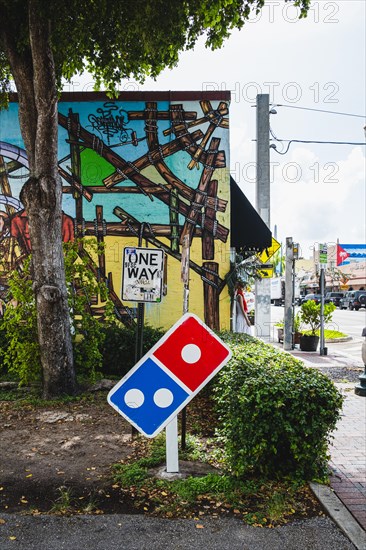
x: 348, y: 447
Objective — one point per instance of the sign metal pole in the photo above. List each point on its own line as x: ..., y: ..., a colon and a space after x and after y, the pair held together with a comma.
x: 323, y: 258
x: 322, y: 341
x: 139, y: 343
x: 171, y: 434
x: 185, y: 281
x: 171, y: 431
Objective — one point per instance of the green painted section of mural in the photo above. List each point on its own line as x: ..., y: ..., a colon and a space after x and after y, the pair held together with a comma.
x: 93, y: 168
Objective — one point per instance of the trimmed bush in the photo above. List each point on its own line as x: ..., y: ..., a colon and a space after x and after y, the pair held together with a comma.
x: 118, y: 350
x: 276, y: 415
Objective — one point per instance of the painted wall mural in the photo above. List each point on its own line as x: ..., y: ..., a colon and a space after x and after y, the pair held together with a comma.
x: 146, y: 169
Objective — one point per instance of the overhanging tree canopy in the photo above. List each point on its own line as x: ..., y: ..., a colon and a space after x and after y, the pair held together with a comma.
x: 43, y: 42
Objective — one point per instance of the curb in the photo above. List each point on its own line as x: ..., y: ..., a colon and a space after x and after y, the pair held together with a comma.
x: 339, y: 514
x: 335, y: 340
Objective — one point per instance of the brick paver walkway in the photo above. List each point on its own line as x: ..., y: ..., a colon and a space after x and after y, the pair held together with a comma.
x: 348, y: 455
x: 348, y: 448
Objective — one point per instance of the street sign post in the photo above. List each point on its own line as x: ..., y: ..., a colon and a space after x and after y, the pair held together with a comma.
x: 166, y: 378
x: 323, y: 260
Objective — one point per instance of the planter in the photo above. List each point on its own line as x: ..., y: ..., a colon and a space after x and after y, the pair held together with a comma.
x: 297, y: 336
x: 309, y: 342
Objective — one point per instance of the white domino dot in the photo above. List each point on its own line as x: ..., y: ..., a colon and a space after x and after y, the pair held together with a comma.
x: 134, y: 398
x: 191, y: 353
x: 163, y: 398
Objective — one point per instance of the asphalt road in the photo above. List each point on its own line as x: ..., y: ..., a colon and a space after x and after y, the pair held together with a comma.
x: 137, y: 532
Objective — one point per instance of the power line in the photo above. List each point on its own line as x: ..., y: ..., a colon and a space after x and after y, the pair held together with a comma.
x: 317, y: 110
x: 290, y: 141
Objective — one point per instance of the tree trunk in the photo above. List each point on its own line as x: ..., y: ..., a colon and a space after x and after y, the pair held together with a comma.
x: 34, y: 74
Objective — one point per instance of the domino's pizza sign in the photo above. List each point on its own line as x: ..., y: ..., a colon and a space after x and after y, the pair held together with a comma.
x: 157, y: 388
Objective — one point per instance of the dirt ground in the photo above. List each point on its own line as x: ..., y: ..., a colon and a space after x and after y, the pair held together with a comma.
x: 71, y: 445
x: 47, y: 449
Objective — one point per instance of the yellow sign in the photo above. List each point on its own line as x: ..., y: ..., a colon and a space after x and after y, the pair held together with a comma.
x: 268, y: 252
x: 344, y: 287
x: 265, y: 273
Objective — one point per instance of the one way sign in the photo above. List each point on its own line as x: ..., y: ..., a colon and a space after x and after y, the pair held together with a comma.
x: 143, y: 271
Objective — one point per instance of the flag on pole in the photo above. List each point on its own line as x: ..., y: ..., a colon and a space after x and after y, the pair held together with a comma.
x: 342, y: 255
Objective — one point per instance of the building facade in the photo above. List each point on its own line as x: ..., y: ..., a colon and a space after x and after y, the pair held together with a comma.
x: 147, y: 169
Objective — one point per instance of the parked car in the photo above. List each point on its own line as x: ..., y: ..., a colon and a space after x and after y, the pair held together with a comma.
x: 316, y: 297
x: 334, y: 297
x: 353, y: 299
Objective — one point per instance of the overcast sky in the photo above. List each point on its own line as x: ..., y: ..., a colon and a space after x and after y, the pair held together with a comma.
x: 317, y: 191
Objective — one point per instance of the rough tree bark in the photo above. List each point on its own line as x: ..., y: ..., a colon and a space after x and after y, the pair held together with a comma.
x: 34, y: 74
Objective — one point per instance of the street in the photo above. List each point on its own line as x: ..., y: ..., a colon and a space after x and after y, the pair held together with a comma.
x: 346, y: 321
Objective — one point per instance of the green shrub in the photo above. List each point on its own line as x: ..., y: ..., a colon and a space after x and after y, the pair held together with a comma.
x: 276, y: 415
x: 118, y: 349
x: 20, y: 353
x: 3, y: 346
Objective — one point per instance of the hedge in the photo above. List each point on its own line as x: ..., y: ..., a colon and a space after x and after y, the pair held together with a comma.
x: 276, y: 415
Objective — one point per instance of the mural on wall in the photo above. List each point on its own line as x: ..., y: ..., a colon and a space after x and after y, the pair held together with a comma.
x: 153, y: 172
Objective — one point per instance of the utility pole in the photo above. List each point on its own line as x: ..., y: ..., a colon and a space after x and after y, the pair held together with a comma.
x: 263, y: 287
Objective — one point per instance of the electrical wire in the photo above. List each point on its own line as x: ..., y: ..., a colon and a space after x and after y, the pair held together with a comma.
x: 290, y: 141
x: 317, y: 110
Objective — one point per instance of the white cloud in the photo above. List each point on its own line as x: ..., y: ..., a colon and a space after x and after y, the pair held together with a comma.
x: 324, y: 204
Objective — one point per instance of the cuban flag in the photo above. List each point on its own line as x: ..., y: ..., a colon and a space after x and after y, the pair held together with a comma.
x: 342, y: 255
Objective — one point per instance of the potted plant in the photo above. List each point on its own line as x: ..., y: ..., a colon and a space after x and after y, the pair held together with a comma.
x: 310, y: 315
x: 280, y: 325
x: 297, y: 331
x: 297, y: 328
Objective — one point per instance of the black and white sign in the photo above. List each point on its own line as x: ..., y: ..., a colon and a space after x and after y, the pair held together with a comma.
x: 142, y: 277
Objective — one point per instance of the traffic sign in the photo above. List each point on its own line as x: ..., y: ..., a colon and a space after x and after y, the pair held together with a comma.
x: 265, y: 272
x: 157, y: 388
x: 269, y: 252
x: 143, y: 270
x: 323, y: 255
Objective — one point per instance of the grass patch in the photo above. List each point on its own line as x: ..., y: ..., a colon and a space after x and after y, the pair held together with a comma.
x: 256, y: 501
x: 328, y: 334
x: 67, y: 504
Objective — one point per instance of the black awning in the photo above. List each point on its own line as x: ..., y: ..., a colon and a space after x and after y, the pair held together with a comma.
x: 247, y: 229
